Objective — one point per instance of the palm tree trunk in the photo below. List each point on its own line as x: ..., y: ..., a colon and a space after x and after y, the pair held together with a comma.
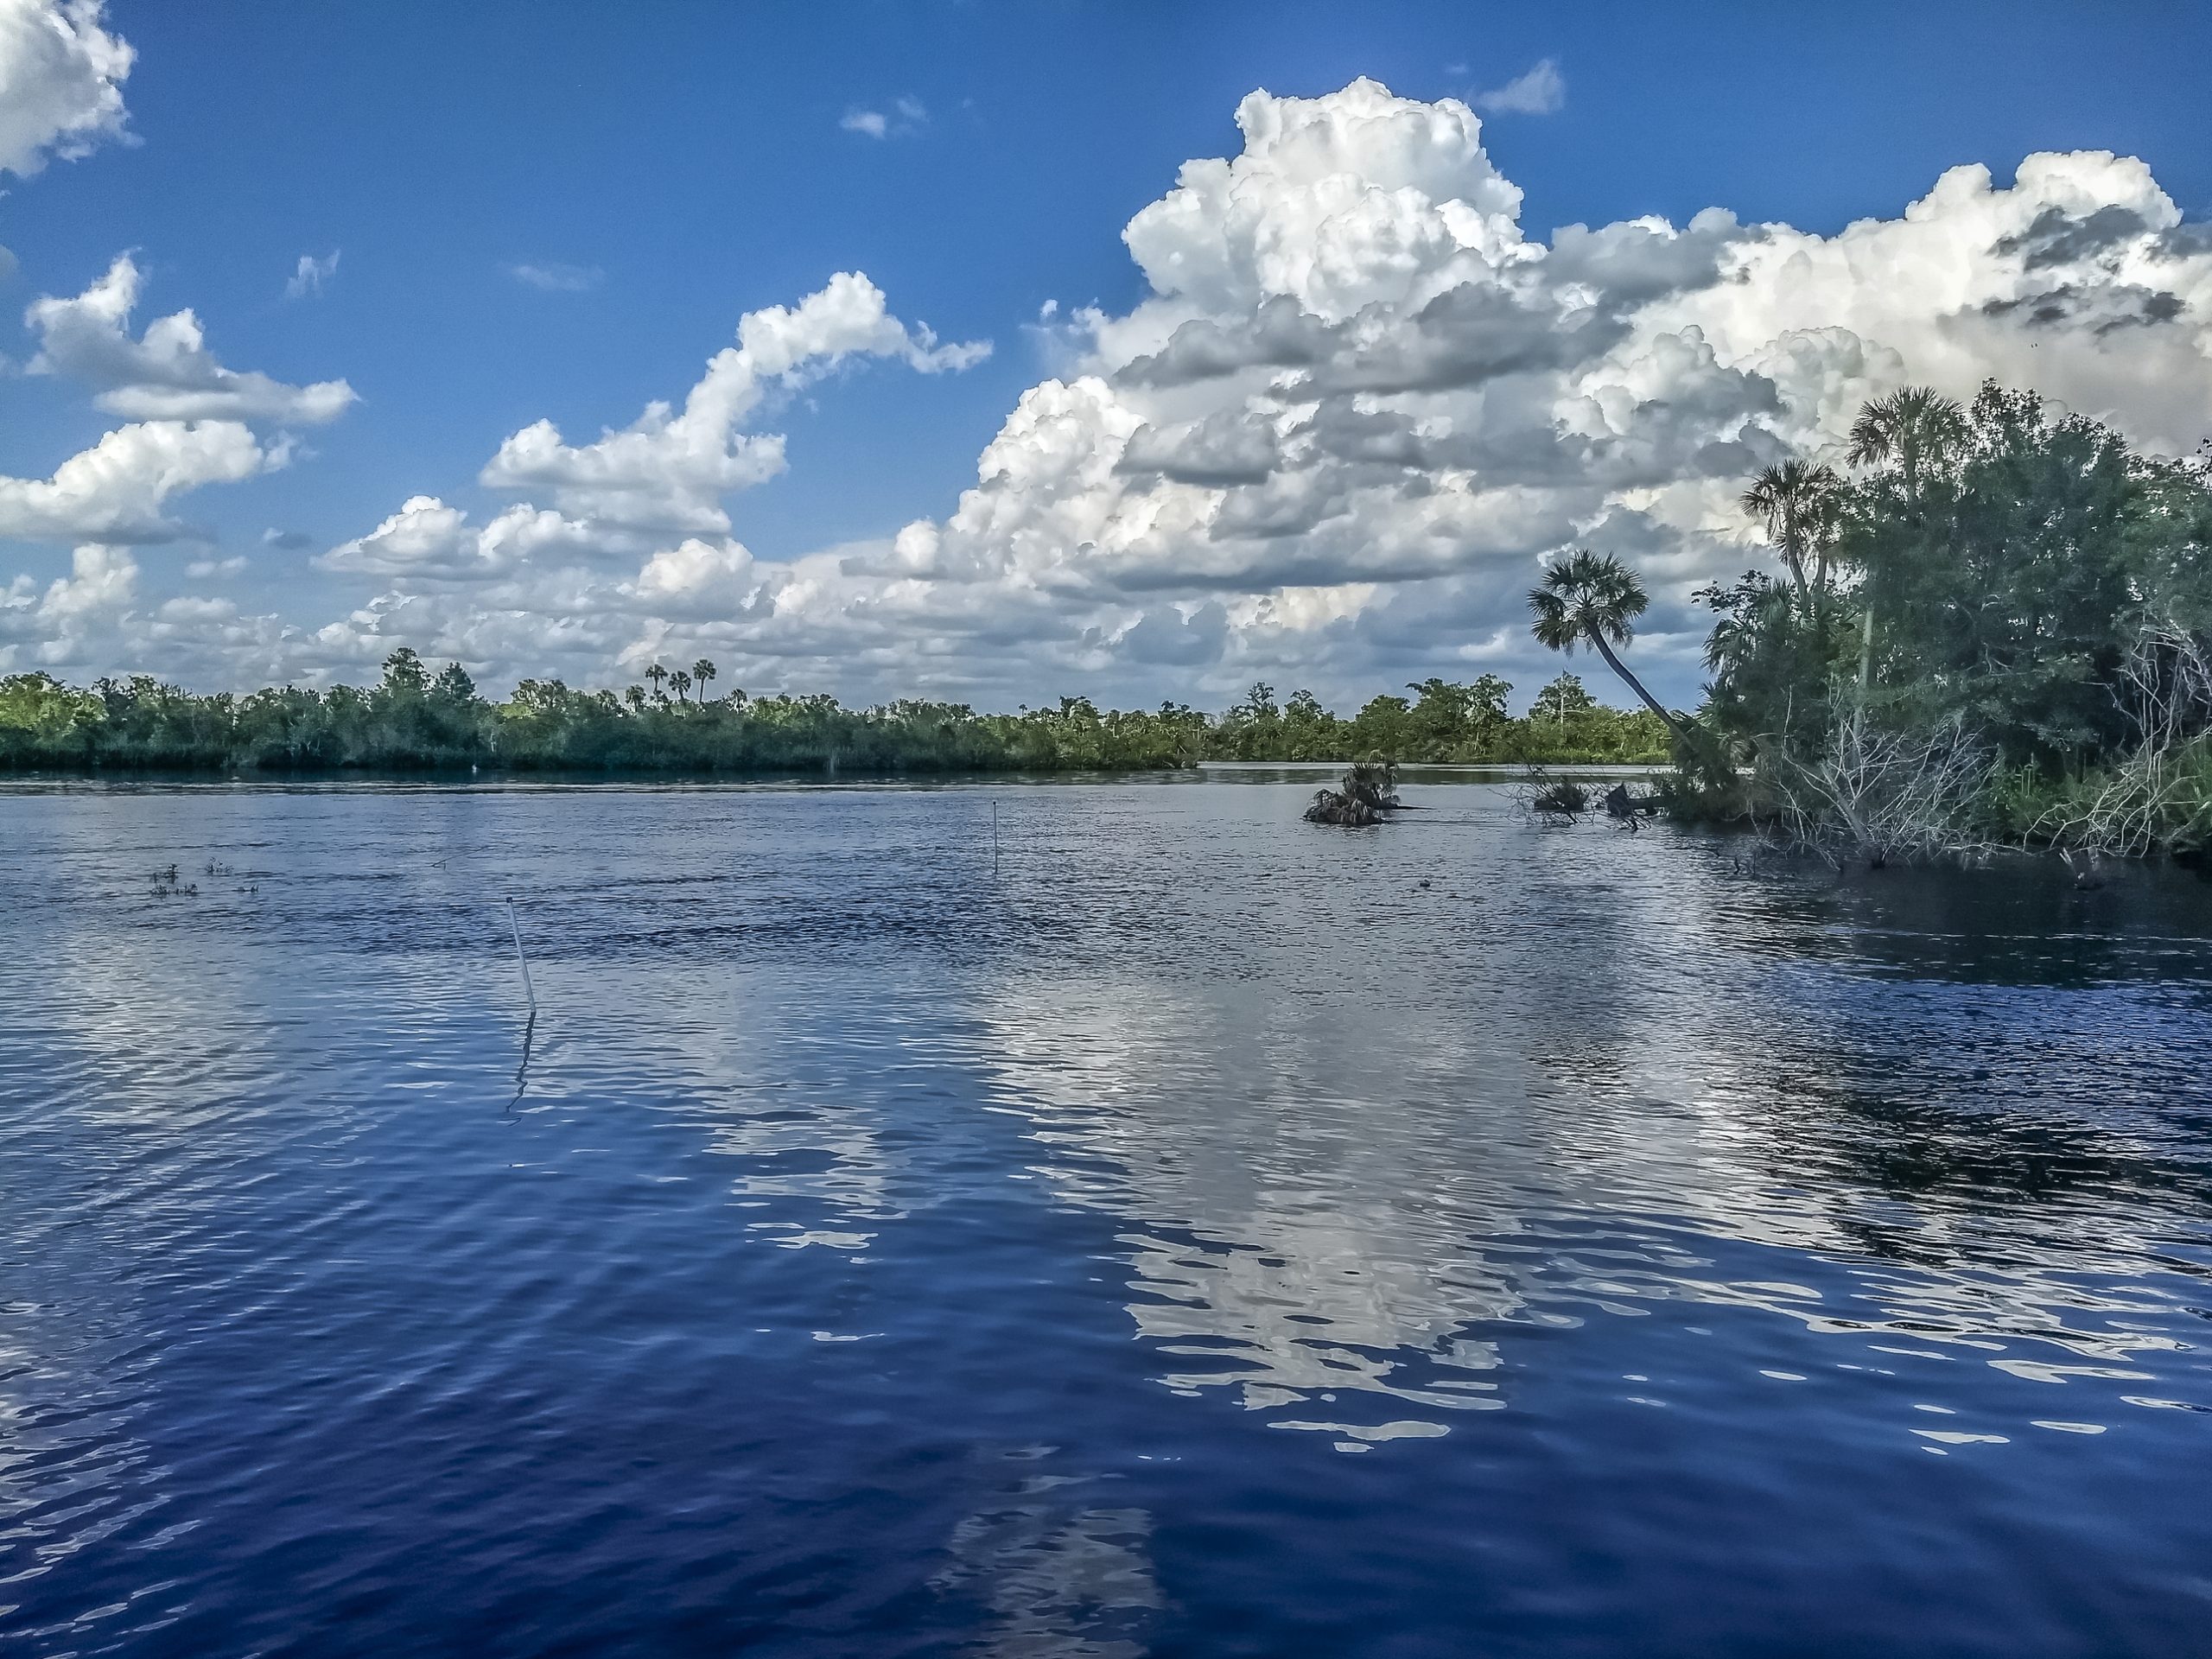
x: 1637, y: 686
x: 1866, y: 648
x: 1689, y: 740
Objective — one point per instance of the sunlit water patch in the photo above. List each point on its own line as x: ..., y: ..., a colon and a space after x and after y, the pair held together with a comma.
x: 1174, y: 1228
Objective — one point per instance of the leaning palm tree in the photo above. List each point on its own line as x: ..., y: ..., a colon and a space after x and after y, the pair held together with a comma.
x: 702, y: 671
x: 1917, y: 429
x: 1797, y: 501
x: 1592, y: 599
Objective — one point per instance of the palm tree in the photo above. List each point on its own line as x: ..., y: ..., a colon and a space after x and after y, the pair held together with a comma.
x: 635, y: 696
x: 702, y: 671
x: 1592, y: 599
x: 656, y: 674
x: 1797, y: 502
x: 1918, y: 428
x: 681, y: 682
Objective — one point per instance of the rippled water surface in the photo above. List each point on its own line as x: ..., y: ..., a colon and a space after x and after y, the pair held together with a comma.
x: 1190, y: 1232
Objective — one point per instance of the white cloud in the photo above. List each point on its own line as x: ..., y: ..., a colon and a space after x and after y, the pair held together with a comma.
x: 114, y: 491
x: 311, y: 273
x: 167, y: 373
x: 100, y: 579
x: 667, y: 472
x: 907, y: 117
x: 1541, y: 90
x: 555, y: 279
x: 61, y: 78
x: 427, y: 540
x: 213, y: 570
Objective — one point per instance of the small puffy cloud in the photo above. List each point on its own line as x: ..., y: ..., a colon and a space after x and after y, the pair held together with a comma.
x: 428, y: 541
x: 101, y: 579
x: 114, y: 491
x: 310, y: 274
x: 906, y: 116
x: 291, y: 540
x: 214, y: 570
x: 717, y: 575
x: 555, y: 278
x: 167, y: 373
x: 1541, y: 90
x: 61, y: 76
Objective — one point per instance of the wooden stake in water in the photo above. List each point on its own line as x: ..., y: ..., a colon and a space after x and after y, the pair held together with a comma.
x: 524, y: 962
x: 994, y: 834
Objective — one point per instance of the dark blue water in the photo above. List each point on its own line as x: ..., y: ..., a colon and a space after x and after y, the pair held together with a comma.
x: 1197, y: 1233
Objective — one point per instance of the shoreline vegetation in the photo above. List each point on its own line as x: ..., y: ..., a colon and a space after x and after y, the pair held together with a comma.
x: 1990, y: 625
x: 414, y: 722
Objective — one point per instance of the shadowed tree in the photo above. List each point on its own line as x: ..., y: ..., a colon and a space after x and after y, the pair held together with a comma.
x: 1915, y: 430
x: 680, y: 683
x: 702, y: 671
x: 1592, y: 599
x: 656, y: 674
x: 1797, y: 502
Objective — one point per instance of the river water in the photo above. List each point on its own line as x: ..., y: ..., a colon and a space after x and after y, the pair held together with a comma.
x: 1182, y: 1230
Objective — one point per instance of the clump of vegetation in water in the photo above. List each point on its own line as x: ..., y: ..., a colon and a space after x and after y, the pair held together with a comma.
x: 1553, y: 800
x: 1367, y: 794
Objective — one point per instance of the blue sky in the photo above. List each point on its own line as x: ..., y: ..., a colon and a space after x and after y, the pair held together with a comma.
x: 668, y: 168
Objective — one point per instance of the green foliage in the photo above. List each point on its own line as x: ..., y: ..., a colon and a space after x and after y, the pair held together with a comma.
x: 2022, y: 577
x: 413, y: 720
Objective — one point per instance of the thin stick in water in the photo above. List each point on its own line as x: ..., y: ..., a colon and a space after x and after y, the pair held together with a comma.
x: 516, y: 928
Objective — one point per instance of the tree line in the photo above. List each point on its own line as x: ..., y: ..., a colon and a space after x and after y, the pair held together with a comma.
x: 413, y: 720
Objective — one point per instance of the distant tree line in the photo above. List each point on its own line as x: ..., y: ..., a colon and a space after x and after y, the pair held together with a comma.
x: 413, y: 720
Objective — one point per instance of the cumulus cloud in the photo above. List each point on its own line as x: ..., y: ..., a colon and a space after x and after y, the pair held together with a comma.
x: 61, y: 76
x: 167, y: 373
x: 114, y: 491
x: 101, y: 579
x: 1355, y: 406
x: 1541, y: 90
x: 428, y: 541
x: 310, y: 274
x: 668, y: 471
x: 558, y: 278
